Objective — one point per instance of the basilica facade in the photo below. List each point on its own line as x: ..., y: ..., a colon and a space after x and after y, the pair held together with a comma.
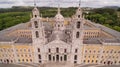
x: 80, y: 41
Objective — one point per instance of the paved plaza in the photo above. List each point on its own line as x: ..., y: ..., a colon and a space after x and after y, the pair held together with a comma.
x: 55, y: 65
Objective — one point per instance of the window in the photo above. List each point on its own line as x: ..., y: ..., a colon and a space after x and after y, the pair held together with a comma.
x: 24, y: 50
x: 35, y: 15
x: 36, y: 24
x: 65, y: 50
x: 23, y: 60
x: 96, y: 61
x: 75, y: 61
x: 84, y: 61
x: 40, y: 61
x: 75, y: 57
x: 49, y: 57
x: 76, y: 50
x: 29, y: 55
x: 27, y: 60
x: 78, y: 24
x: 18, y: 60
x: 78, y: 16
x: 92, y: 61
x: 90, y: 51
x: 118, y: 51
x: 57, y: 57
x: 103, y: 51
x: 30, y: 60
x: 58, y: 25
x: 77, y: 35
x: 28, y: 50
x: 57, y: 50
x: 39, y: 56
x: 26, y: 55
x: 37, y: 34
x: 88, y: 61
x: 21, y: 55
x: 49, y: 50
x: 38, y: 49
x: 65, y: 57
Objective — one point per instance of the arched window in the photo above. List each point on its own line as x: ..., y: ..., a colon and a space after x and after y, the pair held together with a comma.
x: 78, y: 16
x: 49, y: 50
x: 57, y: 50
x: 78, y: 24
x: 75, y: 57
x: 49, y: 57
x: 76, y: 50
x: 77, y: 35
x: 38, y: 49
x: 39, y: 56
x: 37, y: 34
x: 36, y: 24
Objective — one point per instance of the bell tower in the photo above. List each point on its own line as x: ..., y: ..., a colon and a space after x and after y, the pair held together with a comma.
x: 78, y: 25
x: 77, y: 36
x: 38, y: 35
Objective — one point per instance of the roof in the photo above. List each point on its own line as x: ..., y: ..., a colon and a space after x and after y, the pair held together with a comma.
x: 95, y: 41
x: 114, y: 33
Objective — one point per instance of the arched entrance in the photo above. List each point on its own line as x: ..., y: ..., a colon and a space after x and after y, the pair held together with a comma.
x: 57, y: 57
x: 108, y: 62
x: 7, y: 61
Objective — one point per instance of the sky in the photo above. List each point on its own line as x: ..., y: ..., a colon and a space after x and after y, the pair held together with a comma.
x: 63, y: 3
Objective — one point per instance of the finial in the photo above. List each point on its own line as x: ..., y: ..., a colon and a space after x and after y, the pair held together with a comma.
x: 79, y: 3
x: 34, y: 3
x: 58, y: 8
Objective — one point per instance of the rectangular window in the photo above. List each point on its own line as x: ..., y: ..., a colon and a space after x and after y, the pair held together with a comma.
x: 75, y: 57
x: 65, y: 50
x: 49, y: 50
x: 75, y: 61
x: 65, y: 57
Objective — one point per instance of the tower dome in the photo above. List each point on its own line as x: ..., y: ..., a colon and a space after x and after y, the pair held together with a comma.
x: 59, y: 16
x: 59, y: 21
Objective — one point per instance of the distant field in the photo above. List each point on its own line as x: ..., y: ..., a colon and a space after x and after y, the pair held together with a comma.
x: 12, y: 16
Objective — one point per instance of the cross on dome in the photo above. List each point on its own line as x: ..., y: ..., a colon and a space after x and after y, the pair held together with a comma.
x: 58, y: 8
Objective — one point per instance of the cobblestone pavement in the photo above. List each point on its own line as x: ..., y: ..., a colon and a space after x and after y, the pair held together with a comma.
x: 55, y: 65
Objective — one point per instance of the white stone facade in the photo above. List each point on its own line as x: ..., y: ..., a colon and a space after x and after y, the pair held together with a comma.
x: 58, y: 50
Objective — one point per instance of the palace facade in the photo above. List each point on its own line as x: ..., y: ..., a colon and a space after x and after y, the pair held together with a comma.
x: 80, y: 41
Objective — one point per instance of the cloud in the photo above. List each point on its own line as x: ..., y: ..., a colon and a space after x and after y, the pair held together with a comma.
x: 63, y: 3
